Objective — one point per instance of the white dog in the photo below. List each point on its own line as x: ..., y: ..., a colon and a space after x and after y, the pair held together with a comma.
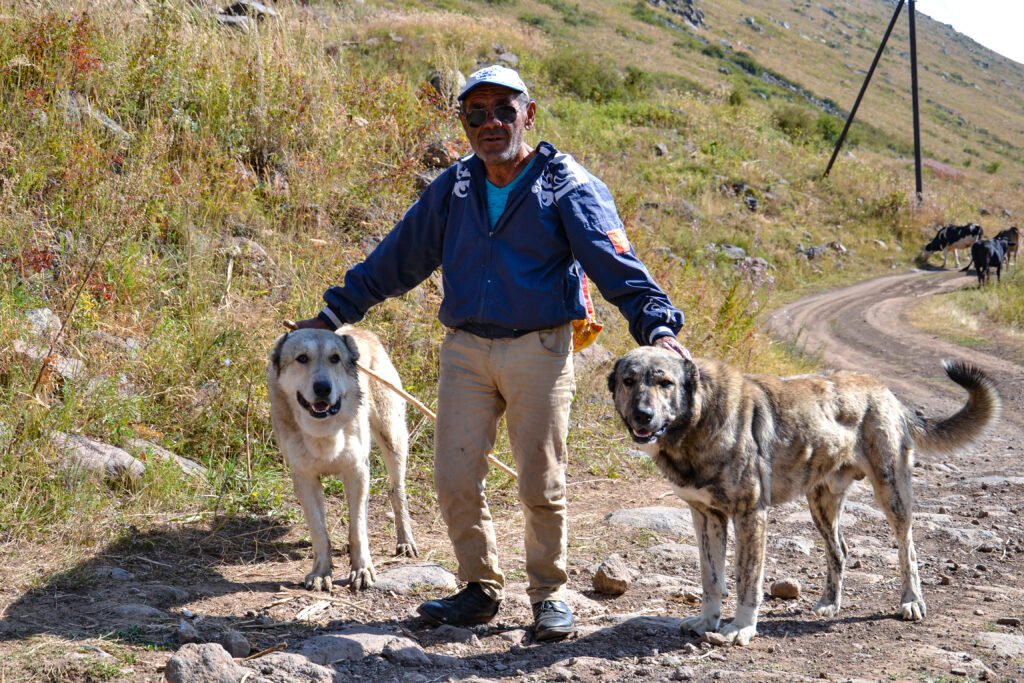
x: 324, y: 411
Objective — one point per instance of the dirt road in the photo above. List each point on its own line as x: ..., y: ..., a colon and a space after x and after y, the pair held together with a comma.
x: 244, y: 575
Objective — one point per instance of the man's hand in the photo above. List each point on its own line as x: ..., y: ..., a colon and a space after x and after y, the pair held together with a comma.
x: 308, y: 324
x: 670, y: 343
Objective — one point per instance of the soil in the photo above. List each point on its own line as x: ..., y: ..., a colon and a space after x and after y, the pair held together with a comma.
x: 245, y: 573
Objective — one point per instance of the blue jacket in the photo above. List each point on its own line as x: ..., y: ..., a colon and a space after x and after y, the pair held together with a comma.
x: 524, y: 274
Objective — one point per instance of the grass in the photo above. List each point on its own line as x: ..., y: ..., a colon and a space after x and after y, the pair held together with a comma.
x: 258, y: 167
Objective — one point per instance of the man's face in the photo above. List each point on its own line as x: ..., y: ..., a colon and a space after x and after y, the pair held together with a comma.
x: 494, y: 140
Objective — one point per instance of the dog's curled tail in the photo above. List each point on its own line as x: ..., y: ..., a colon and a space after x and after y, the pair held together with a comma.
x: 967, y: 425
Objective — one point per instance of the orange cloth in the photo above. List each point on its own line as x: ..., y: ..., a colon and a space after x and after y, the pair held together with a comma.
x: 584, y: 332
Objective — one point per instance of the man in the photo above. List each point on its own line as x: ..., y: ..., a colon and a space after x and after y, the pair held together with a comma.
x: 513, y: 228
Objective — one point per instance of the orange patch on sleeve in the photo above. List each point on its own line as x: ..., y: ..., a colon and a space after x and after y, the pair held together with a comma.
x: 619, y: 240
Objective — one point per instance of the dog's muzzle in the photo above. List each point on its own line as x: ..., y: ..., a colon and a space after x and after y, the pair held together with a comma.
x: 643, y: 436
x: 319, y: 409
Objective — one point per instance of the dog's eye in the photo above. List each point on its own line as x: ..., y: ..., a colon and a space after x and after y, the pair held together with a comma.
x: 628, y: 381
x: 335, y: 358
x: 302, y: 358
x: 665, y: 383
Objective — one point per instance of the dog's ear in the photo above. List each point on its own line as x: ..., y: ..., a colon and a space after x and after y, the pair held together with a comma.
x: 275, y: 355
x: 691, y: 376
x: 353, y: 350
x: 612, y: 375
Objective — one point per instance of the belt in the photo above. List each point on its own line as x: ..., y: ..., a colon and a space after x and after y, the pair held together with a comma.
x: 493, y: 331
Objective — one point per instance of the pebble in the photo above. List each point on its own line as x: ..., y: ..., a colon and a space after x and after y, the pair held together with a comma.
x: 715, y: 638
x: 1009, y: 621
x: 787, y: 589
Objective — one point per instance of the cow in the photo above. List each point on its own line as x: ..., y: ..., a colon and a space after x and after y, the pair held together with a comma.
x: 1012, y: 237
x: 954, y: 237
x: 987, y: 254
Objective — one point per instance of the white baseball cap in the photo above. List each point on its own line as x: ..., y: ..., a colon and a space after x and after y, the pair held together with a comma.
x: 495, y: 75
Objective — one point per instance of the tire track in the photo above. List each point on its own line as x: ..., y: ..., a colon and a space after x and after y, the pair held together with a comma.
x: 866, y: 327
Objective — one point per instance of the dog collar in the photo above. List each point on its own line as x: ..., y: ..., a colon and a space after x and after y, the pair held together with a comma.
x: 333, y: 410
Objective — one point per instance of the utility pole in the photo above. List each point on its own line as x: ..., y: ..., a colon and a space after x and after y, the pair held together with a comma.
x: 914, y: 96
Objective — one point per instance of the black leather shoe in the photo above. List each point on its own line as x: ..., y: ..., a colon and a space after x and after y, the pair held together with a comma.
x: 468, y: 607
x: 552, y: 620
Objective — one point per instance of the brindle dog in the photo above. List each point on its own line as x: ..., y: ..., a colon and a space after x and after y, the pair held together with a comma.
x: 733, y: 445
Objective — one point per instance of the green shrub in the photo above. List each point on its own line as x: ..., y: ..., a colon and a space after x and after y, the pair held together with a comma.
x: 795, y: 121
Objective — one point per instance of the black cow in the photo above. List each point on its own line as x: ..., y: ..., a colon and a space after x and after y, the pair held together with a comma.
x: 987, y: 254
x: 954, y: 237
x: 1012, y: 237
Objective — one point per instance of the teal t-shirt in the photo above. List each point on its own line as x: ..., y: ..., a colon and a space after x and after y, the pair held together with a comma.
x: 497, y: 197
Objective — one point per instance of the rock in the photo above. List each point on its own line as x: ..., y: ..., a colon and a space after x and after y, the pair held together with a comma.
x: 591, y: 358
x: 352, y: 643
x: 251, y: 258
x: 59, y: 367
x: 407, y: 579
x: 164, y: 595
x: 44, y: 323
x: 661, y: 149
x: 881, y: 244
x: 508, y: 59
x: 838, y: 247
x: 612, y: 577
x: 559, y: 673
x: 448, y: 83
x: 787, y: 589
x: 715, y: 638
x: 454, y: 634
x: 208, y: 663
x: 236, y: 644
x: 1006, y: 645
x: 248, y: 8
x: 677, y: 553
x: 186, y: 633
x: 77, y: 107
x: 115, y: 573
x: 82, y: 453
x: 405, y: 652
x: 515, y: 636
x: 438, y: 154
x: 796, y: 544
x: 665, y: 520
x: 147, y: 450
x: 287, y: 667
x: 424, y: 178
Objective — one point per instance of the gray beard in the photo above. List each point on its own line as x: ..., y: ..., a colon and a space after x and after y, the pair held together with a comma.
x: 509, y: 154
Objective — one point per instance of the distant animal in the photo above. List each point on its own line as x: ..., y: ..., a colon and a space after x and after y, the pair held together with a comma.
x: 1012, y: 237
x: 954, y: 237
x: 987, y: 254
x: 324, y: 411
x: 733, y: 445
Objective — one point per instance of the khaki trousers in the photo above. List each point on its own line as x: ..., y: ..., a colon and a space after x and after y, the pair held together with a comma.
x: 530, y: 380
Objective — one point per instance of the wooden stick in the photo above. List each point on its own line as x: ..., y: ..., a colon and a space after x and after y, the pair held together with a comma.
x: 263, y: 653
x: 418, y: 405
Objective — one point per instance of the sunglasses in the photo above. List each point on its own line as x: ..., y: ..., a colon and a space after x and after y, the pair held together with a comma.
x: 505, y: 113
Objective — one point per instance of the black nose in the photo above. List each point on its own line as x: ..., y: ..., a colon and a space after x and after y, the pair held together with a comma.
x: 643, y: 415
x: 322, y: 389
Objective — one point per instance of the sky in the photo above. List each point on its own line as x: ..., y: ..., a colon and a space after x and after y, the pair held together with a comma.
x: 996, y: 24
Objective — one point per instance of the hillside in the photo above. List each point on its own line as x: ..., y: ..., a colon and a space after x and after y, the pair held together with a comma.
x: 173, y: 187
x: 814, y: 53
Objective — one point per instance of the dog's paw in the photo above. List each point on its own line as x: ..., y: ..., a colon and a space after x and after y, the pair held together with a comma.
x: 698, y: 626
x: 406, y: 550
x: 319, y: 582
x: 738, y: 635
x: 362, y: 578
x: 826, y: 609
x: 914, y: 610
